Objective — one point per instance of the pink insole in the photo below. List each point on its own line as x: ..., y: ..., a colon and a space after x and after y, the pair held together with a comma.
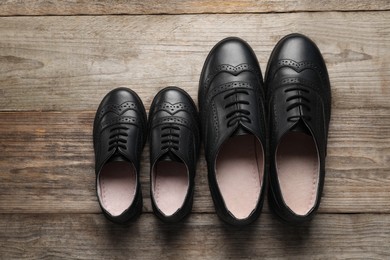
x: 298, y: 171
x: 117, y: 186
x: 170, y: 186
x: 239, y: 173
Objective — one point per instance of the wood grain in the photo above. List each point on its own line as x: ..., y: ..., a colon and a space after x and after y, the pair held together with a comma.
x: 69, y: 63
x: 202, y: 236
x: 99, y: 7
x: 47, y: 164
x: 54, y: 71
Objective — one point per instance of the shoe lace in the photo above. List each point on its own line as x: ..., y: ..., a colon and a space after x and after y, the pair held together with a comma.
x: 118, y: 138
x: 298, y: 100
x: 238, y: 113
x: 170, y: 136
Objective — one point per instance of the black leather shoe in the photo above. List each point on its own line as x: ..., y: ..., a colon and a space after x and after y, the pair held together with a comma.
x: 299, y: 102
x: 231, y: 102
x: 119, y: 135
x: 174, y: 148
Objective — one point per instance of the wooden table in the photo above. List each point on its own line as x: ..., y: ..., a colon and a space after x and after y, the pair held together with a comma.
x: 59, y: 58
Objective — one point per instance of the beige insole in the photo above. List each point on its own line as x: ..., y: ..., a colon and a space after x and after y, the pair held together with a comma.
x: 298, y: 171
x: 239, y: 173
x: 170, y: 187
x: 117, y: 187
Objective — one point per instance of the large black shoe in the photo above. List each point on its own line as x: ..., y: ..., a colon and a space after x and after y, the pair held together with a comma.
x: 231, y: 102
x: 299, y: 99
x: 174, y: 149
x: 119, y: 135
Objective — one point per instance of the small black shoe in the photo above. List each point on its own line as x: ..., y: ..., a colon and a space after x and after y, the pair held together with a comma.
x: 231, y: 103
x: 299, y: 99
x: 119, y: 134
x: 174, y: 149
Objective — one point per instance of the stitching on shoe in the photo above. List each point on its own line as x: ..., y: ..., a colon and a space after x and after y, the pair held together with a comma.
x: 174, y: 108
x: 173, y: 119
x: 228, y: 86
x: 256, y: 181
x: 294, y: 81
x: 313, y: 187
x: 234, y: 70
x: 104, y: 199
x: 120, y: 119
x: 216, y: 123
x: 157, y: 197
x: 117, y: 109
x: 298, y: 67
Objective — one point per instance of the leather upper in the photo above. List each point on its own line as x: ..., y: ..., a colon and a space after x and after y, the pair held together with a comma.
x: 231, y: 99
x: 231, y: 95
x: 298, y: 92
x: 119, y: 131
x: 174, y: 133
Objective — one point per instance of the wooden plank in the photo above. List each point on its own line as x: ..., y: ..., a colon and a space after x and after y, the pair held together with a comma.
x: 47, y: 164
x: 201, y: 236
x: 69, y: 63
x: 97, y: 7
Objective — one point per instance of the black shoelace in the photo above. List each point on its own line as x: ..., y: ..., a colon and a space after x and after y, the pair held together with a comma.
x: 238, y: 113
x: 298, y: 100
x: 118, y: 138
x: 170, y: 136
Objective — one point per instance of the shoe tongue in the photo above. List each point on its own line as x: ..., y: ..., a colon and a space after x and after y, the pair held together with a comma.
x: 240, y: 131
x: 117, y: 157
x: 301, y: 127
x: 170, y: 157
